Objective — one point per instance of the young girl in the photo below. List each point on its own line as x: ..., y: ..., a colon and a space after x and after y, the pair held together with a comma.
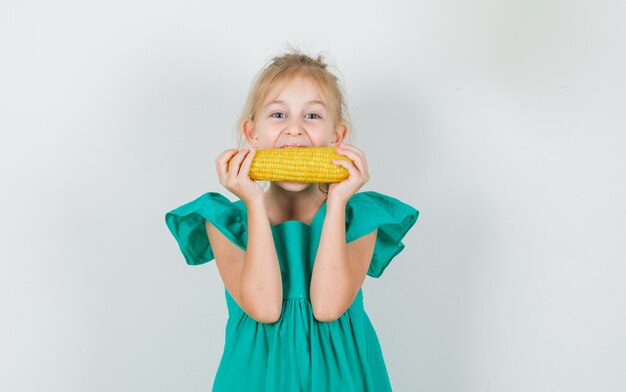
x: 293, y: 258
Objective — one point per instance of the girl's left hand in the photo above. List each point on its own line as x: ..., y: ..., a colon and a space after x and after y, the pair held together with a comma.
x: 359, y: 175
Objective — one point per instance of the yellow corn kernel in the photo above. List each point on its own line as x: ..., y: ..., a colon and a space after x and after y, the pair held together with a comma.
x: 298, y: 164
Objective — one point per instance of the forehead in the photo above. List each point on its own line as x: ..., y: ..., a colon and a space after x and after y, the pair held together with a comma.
x: 296, y: 85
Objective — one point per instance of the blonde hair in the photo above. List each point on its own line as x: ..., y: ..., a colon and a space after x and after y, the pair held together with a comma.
x: 281, y: 70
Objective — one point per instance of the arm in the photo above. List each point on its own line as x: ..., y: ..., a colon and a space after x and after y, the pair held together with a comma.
x: 251, y: 277
x: 339, y: 269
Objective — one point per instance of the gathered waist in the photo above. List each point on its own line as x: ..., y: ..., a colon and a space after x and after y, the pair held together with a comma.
x: 357, y: 304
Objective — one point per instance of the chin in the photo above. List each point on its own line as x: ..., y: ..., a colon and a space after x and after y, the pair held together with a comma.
x: 293, y: 186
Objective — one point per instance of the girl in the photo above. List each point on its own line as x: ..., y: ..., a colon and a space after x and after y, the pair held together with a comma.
x: 293, y: 257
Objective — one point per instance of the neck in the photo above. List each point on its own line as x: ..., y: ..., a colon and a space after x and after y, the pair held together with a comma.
x: 299, y: 205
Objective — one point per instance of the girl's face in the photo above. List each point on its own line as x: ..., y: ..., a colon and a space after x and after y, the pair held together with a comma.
x: 295, y: 115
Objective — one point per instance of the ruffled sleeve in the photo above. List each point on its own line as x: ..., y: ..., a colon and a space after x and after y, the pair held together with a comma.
x: 367, y: 211
x: 187, y: 225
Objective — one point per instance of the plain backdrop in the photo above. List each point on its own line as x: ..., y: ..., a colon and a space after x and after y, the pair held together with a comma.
x: 502, y: 122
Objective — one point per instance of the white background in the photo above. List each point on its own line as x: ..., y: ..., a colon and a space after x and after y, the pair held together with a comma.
x: 501, y: 121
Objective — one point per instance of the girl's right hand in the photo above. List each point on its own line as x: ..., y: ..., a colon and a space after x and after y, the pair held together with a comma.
x: 234, y: 175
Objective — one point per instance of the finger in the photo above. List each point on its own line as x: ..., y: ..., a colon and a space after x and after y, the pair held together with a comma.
x: 347, y: 147
x: 235, y: 163
x: 245, y: 166
x: 226, y: 155
x: 221, y: 162
x: 356, y: 159
x: 351, y: 148
x: 230, y: 158
x: 351, y: 169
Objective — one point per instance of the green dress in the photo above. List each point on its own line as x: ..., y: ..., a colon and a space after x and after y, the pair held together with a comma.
x: 298, y: 352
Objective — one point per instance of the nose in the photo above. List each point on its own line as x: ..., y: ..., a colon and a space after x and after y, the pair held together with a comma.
x: 295, y: 127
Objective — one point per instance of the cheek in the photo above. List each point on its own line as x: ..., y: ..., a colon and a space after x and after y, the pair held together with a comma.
x: 268, y: 138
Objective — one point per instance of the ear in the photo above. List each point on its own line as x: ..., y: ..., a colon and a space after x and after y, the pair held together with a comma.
x: 250, y: 133
x: 340, y: 133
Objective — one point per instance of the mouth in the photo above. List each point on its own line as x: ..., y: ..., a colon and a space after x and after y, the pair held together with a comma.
x: 292, y: 145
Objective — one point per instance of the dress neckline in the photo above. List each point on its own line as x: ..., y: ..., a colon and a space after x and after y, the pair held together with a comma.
x: 315, y: 218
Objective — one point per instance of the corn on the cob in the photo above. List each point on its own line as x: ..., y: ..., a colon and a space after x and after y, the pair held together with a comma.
x: 298, y: 164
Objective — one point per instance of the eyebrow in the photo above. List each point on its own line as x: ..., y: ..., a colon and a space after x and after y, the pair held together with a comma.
x: 279, y: 101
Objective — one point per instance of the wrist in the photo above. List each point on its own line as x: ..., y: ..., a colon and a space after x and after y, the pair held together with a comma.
x: 335, y: 204
x: 254, y: 203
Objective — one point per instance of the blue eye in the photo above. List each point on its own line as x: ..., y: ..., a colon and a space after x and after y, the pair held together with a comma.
x: 283, y: 114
